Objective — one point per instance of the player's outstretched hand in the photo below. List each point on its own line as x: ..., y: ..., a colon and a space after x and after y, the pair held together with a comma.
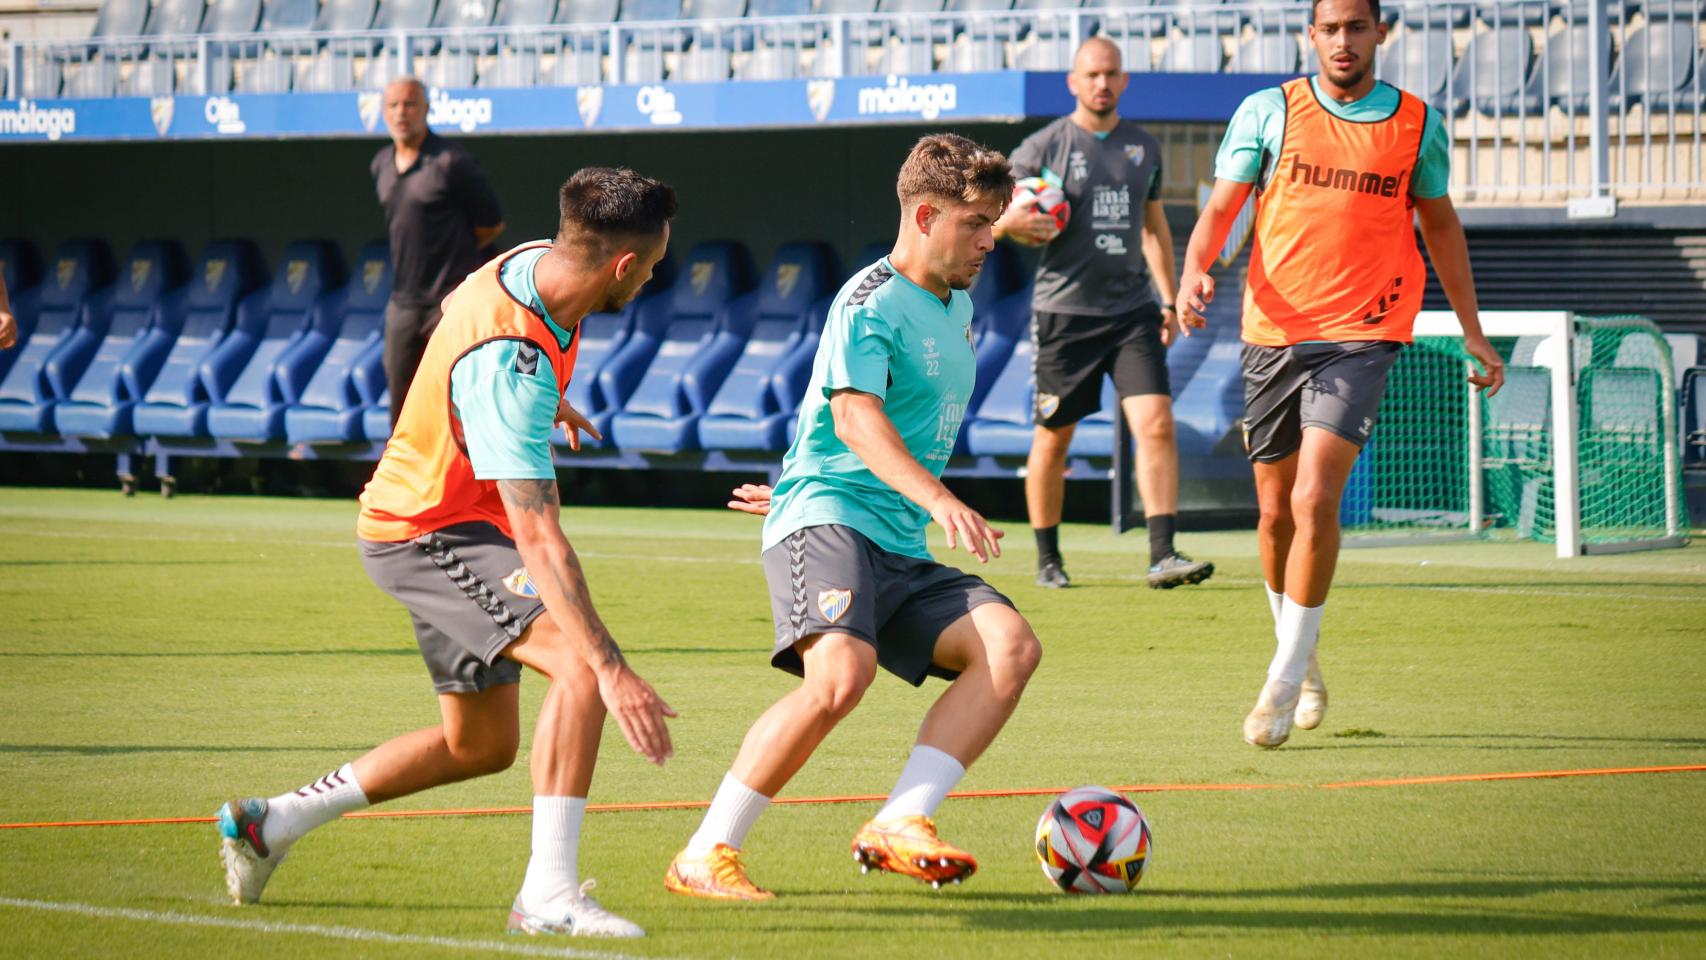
x: 1195, y: 294
x: 753, y: 498
x: 1490, y: 361
x: 574, y: 424
x: 639, y: 712
x: 967, y: 526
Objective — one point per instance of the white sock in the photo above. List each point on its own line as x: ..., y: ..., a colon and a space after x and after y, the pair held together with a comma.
x: 923, y: 784
x: 290, y: 815
x: 1297, y: 630
x: 553, y: 872
x: 1275, y: 599
x: 733, y: 811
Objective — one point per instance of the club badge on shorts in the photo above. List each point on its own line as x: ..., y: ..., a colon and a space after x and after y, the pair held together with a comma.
x: 834, y: 603
x: 1047, y: 404
x: 519, y: 584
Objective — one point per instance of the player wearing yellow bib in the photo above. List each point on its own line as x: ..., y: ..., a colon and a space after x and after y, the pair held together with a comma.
x: 1343, y: 166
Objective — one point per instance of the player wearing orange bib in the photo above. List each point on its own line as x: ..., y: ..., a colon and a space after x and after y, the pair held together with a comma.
x: 460, y: 525
x: 1343, y: 167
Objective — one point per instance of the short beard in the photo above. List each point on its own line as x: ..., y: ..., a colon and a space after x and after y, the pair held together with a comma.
x: 1353, y: 79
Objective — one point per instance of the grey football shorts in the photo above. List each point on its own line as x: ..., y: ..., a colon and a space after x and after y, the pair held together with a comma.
x: 832, y: 578
x: 1334, y: 386
x: 469, y: 597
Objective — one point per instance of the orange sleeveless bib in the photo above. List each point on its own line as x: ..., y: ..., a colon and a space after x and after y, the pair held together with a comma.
x: 1335, y: 253
x: 424, y: 481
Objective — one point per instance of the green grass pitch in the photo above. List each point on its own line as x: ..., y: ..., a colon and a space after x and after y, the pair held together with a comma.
x: 161, y: 656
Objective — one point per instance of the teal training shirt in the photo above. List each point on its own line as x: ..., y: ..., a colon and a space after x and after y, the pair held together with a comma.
x: 1258, y: 129
x: 891, y: 338
x: 507, y: 416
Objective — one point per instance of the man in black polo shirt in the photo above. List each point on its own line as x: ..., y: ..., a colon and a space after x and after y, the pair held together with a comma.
x: 1094, y: 308
x: 440, y: 212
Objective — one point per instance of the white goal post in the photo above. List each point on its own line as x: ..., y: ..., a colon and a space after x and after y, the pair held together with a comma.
x: 1558, y: 352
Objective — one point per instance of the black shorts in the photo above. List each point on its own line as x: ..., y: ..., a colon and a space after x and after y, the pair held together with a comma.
x: 469, y: 597
x: 1075, y: 351
x: 1334, y: 386
x: 833, y: 578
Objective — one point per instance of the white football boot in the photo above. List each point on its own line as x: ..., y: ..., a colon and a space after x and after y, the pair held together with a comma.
x: 1312, y: 701
x: 1269, y: 724
x: 249, y: 863
x: 583, y: 917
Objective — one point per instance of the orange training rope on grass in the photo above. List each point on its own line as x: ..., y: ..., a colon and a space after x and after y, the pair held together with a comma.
x: 961, y: 795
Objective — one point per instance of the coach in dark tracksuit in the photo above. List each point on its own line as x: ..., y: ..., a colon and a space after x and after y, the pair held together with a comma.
x: 440, y: 212
x: 1095, y: 311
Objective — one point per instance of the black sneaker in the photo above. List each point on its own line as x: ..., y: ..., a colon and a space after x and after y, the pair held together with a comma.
x: 1176, y: 570
x: 1051, y: 575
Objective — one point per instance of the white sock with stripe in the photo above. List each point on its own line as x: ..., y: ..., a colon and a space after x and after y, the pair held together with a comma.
x: 553, y: 872
x: 290, y: 815
x: 923, y: 784
x: 732, y: 813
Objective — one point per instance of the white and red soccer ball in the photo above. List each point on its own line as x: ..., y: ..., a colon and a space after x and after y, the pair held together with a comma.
x: 1051, y: 200
x: 1092, y: 840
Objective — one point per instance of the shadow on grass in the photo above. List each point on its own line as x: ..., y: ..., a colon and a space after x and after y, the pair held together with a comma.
x: 1393, y: 911
x: 111, y: 749
x: 1496, y: 741
x: 399, y: 651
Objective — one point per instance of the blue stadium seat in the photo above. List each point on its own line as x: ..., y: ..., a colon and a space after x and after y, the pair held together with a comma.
x: 1420, y: 13
x: 346, y: 15
x: 175, y: 404
x: 70, y: 322
x: 1419, y: 62
x: 1001, y: 423
x: 751, y: 409
x: 1094, y: 436
x: 1567, y: 68
x: 1694, y: 414
x: 1197, y: 53
x: 1518, y: 418
x: 262, y: 367
x: 20, y: 266
x: 291, y: 16
x: 465, y: 15
x: 376, y: 419
x: 146, y: 307
x: 1200, y: 16
x: 1658, y: 65
x: 613, y: 353
x: 330, y: 407
x: 702, y: 338
x: 232, y: 17
x: 120, y: 18
x: 522, y: 18
x: 1266, y: 53
x: 1500, y: 14
x: 1208, y: 387
x: 172, y: 25
x: 1494, y: 75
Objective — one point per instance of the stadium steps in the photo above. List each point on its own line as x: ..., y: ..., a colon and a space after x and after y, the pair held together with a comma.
x: 1659, y: 274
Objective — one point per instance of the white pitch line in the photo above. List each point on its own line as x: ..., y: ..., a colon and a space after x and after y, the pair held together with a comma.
x: 358, y: 934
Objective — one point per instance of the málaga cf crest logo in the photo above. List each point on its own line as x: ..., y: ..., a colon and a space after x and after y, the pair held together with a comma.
x: 834, y: 603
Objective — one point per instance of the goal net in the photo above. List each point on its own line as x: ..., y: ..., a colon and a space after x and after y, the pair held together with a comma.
x: 1579, y: 449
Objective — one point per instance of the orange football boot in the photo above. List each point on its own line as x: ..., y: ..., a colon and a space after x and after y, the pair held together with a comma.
x: 909, y: 846
x: 717, y: 875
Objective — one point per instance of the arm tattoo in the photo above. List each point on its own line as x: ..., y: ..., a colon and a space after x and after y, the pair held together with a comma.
x: 531, y: 496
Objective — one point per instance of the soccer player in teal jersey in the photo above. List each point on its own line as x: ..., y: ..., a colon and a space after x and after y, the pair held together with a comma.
x: 852, y: 583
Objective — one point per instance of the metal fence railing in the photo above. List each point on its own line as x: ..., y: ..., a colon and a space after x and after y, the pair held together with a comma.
x: 1544, y: 99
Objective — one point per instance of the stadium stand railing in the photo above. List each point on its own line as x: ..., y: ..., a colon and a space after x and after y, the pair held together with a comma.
x: 1545, y: 99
